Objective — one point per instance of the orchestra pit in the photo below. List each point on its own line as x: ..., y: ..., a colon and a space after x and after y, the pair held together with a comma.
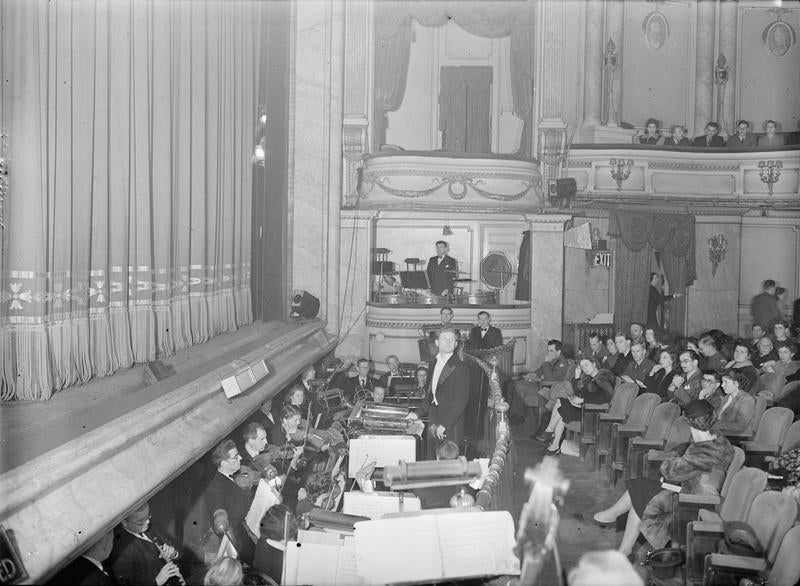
x: 354, y: 292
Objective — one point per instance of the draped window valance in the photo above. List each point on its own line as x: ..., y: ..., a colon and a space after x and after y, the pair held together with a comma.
x: 666, y: 233
x: 393, y: 33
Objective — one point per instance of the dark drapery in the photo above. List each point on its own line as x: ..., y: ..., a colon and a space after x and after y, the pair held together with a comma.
x: 393, y: 29
x: 523, y: 292
x: 673, y: 235
x: 631, y: 282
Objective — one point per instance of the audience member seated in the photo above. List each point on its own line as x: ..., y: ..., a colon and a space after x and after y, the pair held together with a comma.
x: 611, y: 358
x: 636, y: 331
x: 640, y: 365
x: 771, y: 138
x: 743, y: 136
x: 774, y: 374
x: 711, y: 389
x: 596, y: 349
x: 360, y: 386
x: 742, y: 354
x: 686, y: 387
x: 590, y: 384
x: 711, y: 138
x: 224, y: 493
x: 268, y: 558
x: 699, y: 467
x: 660, y: 376
x: 87, y: 569
x: 757, y: 332
x: 678, y: 137
x: 226, y: 571
x: 736, y: 409
x: 654, y: 345
x: 650, y: 134
x: 140, y: 555
x: 780, y: 332
x: 766, y: 352
x: 623, y: 344
x: 544, y: 379
x: 712, y: 358
x: 604, y: 568
x: 393, y: 364
x: 485, y: 335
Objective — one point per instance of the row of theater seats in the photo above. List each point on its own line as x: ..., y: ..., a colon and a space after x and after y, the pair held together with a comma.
x: 630, y: 437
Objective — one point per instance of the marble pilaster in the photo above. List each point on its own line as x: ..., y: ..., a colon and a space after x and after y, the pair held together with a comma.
x: 547, y: 288
x: 315, y: 146
x: 726, y: 96
x: 615, y: 29
x: 704, y: 67
x: 593, y: 63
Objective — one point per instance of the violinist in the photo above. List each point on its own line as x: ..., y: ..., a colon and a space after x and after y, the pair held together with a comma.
x: 254, y: 438
x: 321, y: 491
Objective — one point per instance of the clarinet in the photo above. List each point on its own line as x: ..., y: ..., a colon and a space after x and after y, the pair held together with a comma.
x: 159, y: 543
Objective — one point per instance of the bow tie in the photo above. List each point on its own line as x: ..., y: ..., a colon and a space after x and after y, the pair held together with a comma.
x: 484, y: 330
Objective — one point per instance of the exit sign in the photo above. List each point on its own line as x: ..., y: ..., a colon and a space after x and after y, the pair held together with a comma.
x: 602, y: 260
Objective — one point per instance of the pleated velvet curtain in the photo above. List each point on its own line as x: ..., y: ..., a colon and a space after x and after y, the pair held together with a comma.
x: 673, y: 235
x: 393, y: 36
x: 130, y: 129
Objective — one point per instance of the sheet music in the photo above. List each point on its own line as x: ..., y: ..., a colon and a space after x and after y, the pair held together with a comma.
x: 265, y: 498
x: 319, y: 537
x: 385, y: 449
x: 477, y: 544
x: 398, y: 550
x: 311, y: 563
x: 377, y: 504
x: 435, y: 547
x: 347, y: 567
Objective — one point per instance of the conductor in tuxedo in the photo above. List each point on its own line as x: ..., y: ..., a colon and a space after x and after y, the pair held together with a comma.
x: 485, y: 335
x: 87, y: 570
x: 442, y: 270
x: 449, y: 394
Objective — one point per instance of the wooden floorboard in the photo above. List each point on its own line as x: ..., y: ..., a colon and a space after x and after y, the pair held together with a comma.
x: 29, y: 429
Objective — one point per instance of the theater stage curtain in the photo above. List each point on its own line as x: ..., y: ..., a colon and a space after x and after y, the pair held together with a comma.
x: 393, y: 35
x: 673, y: 235
x: 130, y: 127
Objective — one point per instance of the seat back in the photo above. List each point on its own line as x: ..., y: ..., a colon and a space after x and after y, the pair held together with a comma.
x: 622, y: 400
x: 758, y: 412
x: 660, y: 423
x: 736, y: 464
x: 745, y: 485
x: 642, y: 409
x: 773, y: 426
x: 771, y: 516
x: 786, y: 569
x: 678, y: 434
x: 792, y: 438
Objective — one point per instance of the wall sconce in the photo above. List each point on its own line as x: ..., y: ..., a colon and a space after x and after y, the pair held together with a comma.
x: 770, y: 172
x: 620, y: 170
x: 446, y: 231
x: 717, y: 247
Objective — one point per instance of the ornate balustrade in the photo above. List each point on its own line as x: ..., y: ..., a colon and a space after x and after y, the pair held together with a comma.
x: 719, y: 177
x: 452, y: 181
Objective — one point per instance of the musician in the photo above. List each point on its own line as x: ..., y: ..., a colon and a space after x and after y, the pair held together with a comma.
x: 223, y: 493
x: 360, y: 385
x: 442, y: 270
x: 87, y: 570
x: 378, y: 394
x: 266, y: 416
x: 309, y: 374
x: 254, y: 441
x: 269, y: 550
x: 449, y: 393
x: 485, y: 335
x: 393, y: 363
x: 422, y: 380
x: 320, y: 491
x: 139, y: 555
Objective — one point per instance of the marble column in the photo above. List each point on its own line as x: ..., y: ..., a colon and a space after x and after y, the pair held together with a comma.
x: 593, y: 63
x: 704, y: 67
x: 357, y: 90
x: 728, y: 28
x: 547, y: 282
x: 315, y: 145
x: 615, y: 29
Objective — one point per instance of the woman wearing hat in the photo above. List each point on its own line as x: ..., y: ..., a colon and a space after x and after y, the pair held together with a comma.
x: 699, y: 466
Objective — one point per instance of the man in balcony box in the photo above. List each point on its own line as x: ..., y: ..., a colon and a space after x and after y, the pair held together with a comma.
x: 771, y: 138
x: 485, y: 335
x: 442, y: 270
x: 711, y: 138
x: 678, y: 137
x: 743, y: 136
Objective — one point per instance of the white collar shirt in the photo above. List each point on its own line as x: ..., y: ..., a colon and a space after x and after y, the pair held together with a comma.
x: 441, y: 360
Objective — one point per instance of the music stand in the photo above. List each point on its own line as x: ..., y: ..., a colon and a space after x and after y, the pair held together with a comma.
x: 414, y: 280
